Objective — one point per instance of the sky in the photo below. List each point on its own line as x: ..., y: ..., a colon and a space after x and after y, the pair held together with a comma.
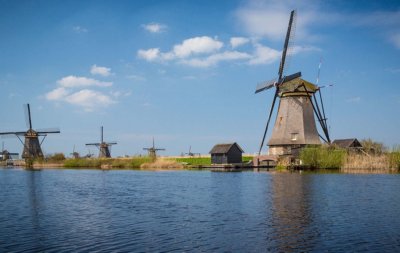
x: 185, y: 72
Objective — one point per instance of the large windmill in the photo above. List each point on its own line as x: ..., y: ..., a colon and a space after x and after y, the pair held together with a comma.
x: 32, y: 146
x: 295, y: 123
x: 104, y: 147
x: 152, y: 151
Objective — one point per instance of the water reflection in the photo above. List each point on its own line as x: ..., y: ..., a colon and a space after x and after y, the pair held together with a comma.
x: 292, y: 213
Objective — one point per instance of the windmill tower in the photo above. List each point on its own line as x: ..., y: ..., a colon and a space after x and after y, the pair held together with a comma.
x: 295, y: 125
x: 152, y: 151
x: 104, y: 147
x: 32, y: 146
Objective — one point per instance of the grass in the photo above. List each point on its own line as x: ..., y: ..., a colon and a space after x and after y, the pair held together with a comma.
x: 203, y: 160
x: 323, y: 157
x: 129, y: 163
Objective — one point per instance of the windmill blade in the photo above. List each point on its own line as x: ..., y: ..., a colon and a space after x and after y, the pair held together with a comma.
x: 111, y: 143
x: 266, y: 85
x: 28, y: 119
x: 290, y: 78
x: 10, y: 134
x: 269, y: 119
x: 285, y: 47
x: 48, y: 130
x: 160, y: 149
x: 147, y: 148
x: 92, y: 144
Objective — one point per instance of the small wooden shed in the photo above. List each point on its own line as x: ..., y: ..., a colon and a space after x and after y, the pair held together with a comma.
x: 227, y: 153
x: 349, y: 144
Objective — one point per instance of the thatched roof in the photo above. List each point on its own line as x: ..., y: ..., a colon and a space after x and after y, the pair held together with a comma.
x: 224, y: 148
x: 347, y: 143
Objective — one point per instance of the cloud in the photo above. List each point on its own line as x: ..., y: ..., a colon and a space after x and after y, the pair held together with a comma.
x: 73, y: 90
x: 136, y: 77
x: 97, y: 70
x: 264, y: 55
x: 76, y: 81
x: 216, y: 58
x: 57, y: 94
x: 89, y: 99
x: 79, y: 29
x: 150, y: 54
x: 238, y: 41
x: 154, y: 27
x: 197, y: 45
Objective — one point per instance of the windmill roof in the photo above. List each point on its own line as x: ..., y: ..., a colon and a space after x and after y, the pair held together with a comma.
x: 347, y: 143
x: 295, y: 86
x: 224, y: 148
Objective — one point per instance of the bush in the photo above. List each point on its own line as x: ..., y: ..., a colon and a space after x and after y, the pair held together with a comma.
x: 57, y: 157
x: 323, y: 157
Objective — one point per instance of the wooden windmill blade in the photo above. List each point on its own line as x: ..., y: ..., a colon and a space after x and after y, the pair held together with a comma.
x: 92, y: 144
x: 28, y: 119
x: 12, y: 133
x: 280, y: 79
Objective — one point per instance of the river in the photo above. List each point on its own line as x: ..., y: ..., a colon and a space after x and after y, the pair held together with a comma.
x: 197, y: 211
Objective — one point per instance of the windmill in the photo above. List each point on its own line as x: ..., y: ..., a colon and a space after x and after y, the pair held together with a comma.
x: 295, y: 124
x: 5, y: 154
x: 32, y: 146
x: 190, y: 152
x: 152, y: 151
x: 75, y: 154
x: 104, y: 147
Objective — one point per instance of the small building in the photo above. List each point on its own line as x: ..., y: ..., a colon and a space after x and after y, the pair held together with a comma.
x: 348, y: 144
x: 228, y: 153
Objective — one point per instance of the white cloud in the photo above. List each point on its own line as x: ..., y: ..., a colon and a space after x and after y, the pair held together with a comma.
x: 76, y: 81
x: 270, y: 18
x: 264, y: 55
x: 238, y: 41
x: 154, y: 27
x: 79, y: 29
x: 136, y: 77
x: 97, y: 70
x: 150, y: 54
x: 197, y: 45
x: 89, y: 99
x: 216, y: 58
x: 57, y: 94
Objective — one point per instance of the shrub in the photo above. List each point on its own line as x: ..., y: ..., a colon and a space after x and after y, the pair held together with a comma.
x: 323, y: 157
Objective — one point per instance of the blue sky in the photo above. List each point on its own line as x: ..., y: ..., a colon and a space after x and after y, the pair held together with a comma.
x: 185, y: 71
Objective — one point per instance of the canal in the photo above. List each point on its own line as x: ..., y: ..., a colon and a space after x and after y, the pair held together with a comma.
x: 197, y: 211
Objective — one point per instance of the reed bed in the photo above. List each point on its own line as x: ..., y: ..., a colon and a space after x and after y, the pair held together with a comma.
x: 323, y: 157
x: 361, y: 163
x: 162, y: 164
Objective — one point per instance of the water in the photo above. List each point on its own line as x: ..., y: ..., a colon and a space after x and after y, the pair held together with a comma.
x: 182, y: 211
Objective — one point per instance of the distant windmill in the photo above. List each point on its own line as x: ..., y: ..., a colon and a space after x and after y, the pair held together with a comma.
x: 295, y: 123
x: 190, y: 152
x: 32, y: 146
x: 75, y: 154
x: 104, y: 147
x: 5, y: 155
x: 152, y: 151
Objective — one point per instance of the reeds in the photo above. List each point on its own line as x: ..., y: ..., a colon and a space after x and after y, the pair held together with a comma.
x: 129, y: 163
x: 162, y: 164
x: 322, y: 157
x: 361, y: 163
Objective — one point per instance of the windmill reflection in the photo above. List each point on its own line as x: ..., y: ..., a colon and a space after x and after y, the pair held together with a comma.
x: 292, y: 221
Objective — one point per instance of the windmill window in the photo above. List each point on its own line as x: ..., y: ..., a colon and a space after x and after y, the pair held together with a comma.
x: 294, y: 136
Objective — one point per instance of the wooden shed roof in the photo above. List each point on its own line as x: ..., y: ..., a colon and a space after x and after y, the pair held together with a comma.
x: 224, y: 148
x: 347, y: 143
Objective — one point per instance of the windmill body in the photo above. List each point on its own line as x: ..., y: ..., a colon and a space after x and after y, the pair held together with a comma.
x: 152, y: 151
x: 104, y: 147
x: 295, y: 122
x: 295, y: 125
x: 32, y: 145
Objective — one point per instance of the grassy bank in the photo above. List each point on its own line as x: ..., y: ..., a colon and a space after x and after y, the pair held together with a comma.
x: 128, y: 163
